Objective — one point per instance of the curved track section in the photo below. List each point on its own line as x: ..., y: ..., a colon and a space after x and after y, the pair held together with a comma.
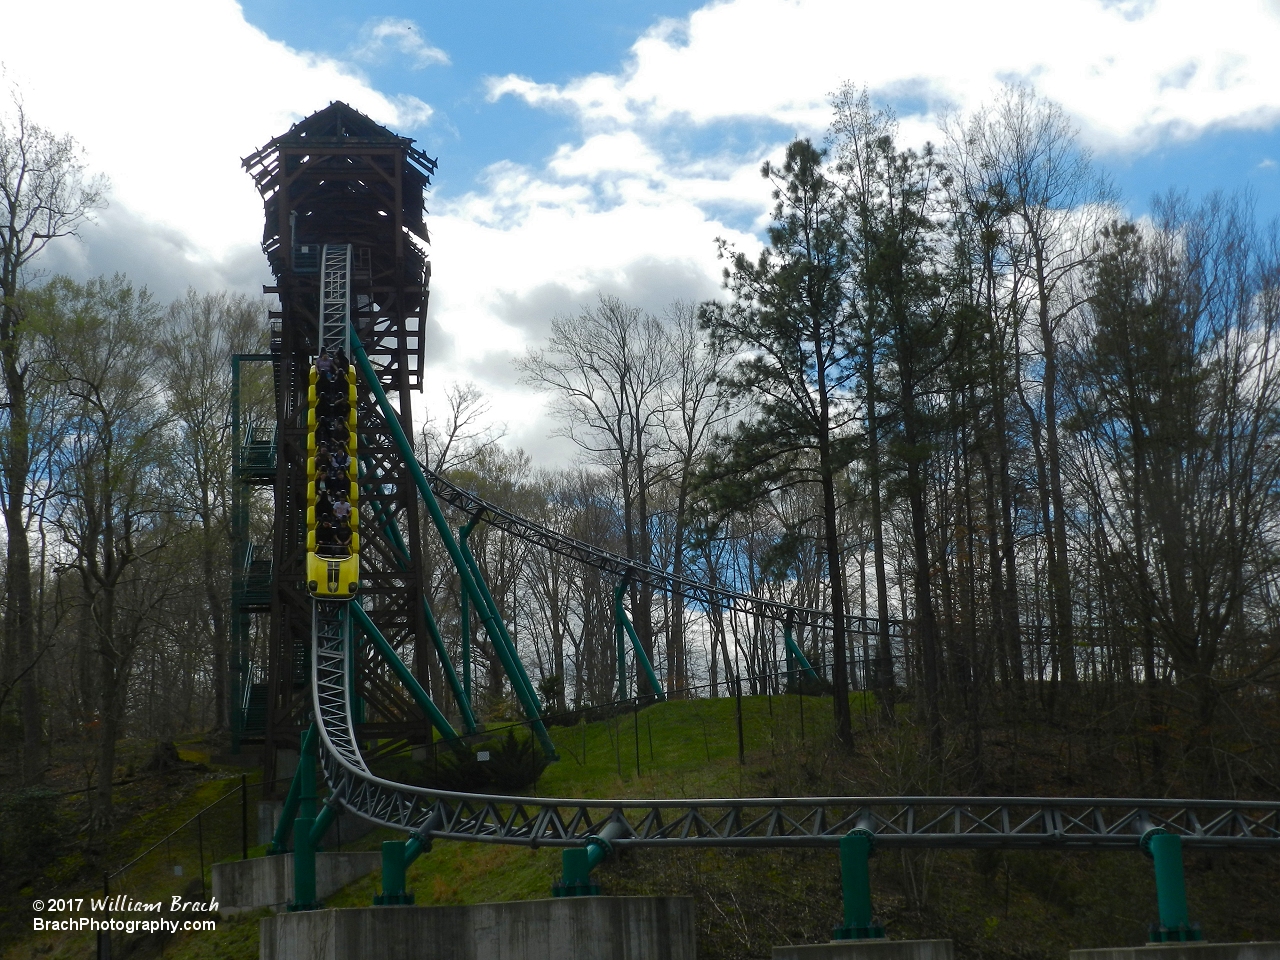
x: 619, y: 566
x: 762, y: 822
x: 1000, y: 822
x: 1010, y: 822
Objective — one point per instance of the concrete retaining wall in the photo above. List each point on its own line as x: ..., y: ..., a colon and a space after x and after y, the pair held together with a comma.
x: 268, y: 881
x: 573, y: 928
x: 868, y: 950
x: 1257, y: 950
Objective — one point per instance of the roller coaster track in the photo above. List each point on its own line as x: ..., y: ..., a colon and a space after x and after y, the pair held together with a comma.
x: 617, y: 566
x: 1001, y: 822
x: 905, y: 822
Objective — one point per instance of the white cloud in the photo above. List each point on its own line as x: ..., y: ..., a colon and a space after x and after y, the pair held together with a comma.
x: 1128, y: 71
x: 401, y: 35
x: 166, y: 98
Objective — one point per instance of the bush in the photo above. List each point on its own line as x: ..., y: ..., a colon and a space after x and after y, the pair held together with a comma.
x: 515, y: 763
x: 32, y: 832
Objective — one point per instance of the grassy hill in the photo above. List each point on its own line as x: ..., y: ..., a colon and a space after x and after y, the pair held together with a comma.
x: 993, y: 904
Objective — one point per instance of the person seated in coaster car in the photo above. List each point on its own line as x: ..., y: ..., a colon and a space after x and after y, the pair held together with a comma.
x: 340, y: 463
x: 324, y: 365
x: 324, y: 505
x: 341, y: 510
x: 337, y: 431
x: 342, y: 535
x: 326, y: 539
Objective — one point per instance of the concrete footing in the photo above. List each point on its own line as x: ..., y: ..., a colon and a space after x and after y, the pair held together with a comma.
x: 1257, y: 950
x: 869, y: 950
x: 268, y: 881
x: 571, y: 928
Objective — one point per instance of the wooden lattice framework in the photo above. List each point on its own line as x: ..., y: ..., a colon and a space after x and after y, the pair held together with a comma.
x: 339, y: 177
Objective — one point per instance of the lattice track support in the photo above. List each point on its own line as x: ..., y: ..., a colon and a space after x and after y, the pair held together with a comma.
x: 338, y: 186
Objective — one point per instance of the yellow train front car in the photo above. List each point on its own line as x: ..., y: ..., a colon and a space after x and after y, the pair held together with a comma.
x: 333, y: 496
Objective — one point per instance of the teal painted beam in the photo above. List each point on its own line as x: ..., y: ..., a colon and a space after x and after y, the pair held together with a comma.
x: 641, y: 657
x: 280, y: 839
x: 438, y: 518
x: 328, y: 812
x: 506, y: 646
x: 855, y: 888
x: 794, y: 649
x: 461, y: 692
x: 406, y: 676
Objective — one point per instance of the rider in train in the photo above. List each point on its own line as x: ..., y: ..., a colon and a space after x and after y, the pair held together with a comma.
x: 333, y: 563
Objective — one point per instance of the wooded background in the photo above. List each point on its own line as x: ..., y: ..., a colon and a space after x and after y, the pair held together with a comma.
x: 957, y: 389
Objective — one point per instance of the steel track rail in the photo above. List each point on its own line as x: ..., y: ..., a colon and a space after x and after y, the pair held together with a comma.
x: 618, y: 566
x: 903, y: 822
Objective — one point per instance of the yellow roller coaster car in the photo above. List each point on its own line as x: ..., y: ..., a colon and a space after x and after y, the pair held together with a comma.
x: 333, y: 496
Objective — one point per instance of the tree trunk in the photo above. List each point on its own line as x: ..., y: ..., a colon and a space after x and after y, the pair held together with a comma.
x: 221, y: 696
x: 19, y: 623
x: 1059, y: 568
x: 884, y: 646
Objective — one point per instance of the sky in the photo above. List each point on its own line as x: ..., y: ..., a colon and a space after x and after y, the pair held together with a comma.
x: 598, y: 147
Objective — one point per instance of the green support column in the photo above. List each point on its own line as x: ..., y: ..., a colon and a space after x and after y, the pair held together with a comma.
x: 532, y: 710
x: 855, y: 884
x: 794, y: 651
x: 1165, y: 849
x: 642, y: 659
x: 280, y: 841
x: 465, y: 622
x: 576, y: 863
x: 328, y: 813
x: 393, y: 867
x: 506, y: 648
x: 575, y: 878
x: 304, y: 852
x: 438, y: 719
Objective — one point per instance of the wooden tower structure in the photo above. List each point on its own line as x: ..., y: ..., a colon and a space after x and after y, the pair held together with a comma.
x: 338, y: 177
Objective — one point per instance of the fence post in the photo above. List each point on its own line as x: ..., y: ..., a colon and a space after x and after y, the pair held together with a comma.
x: 244, y: 818
x: 200, y: 847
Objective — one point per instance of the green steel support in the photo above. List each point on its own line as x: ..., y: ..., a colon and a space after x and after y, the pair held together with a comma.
x: 1165, y: 849
x: 304, y: 852
x: 794, y: 651
x: 461, y: 692
x: 406, y: 676
x: 576, y: 863
x: 855, y: 885
x: 619, y: 611
x: 393, y: 867
x: 442, y: 525
x: 415, y: 847
x: 280, y: 841
x: 464, y: 624
x: 506, y: 646
x: 328, y: 812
